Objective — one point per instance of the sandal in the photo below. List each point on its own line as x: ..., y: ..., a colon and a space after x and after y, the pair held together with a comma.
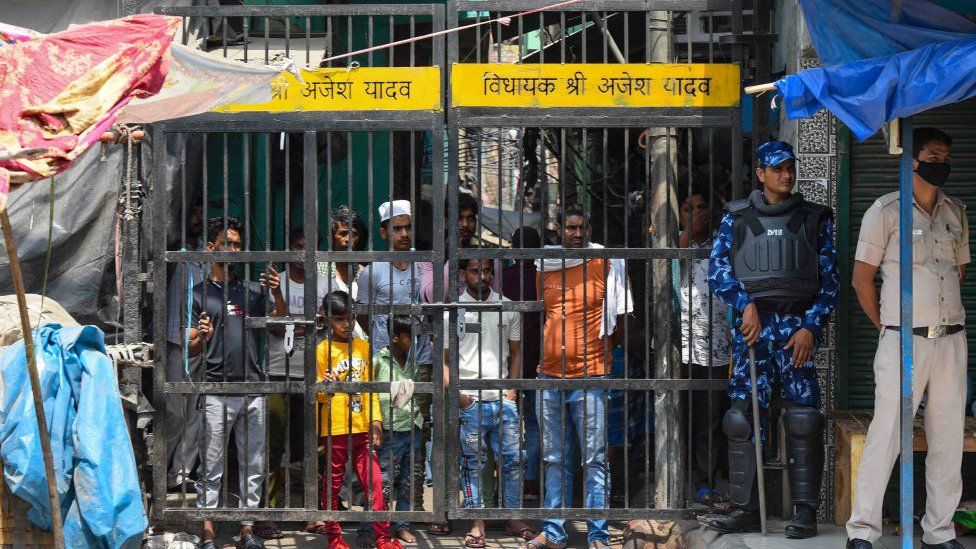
x: 249, y: 541
x: 209, y: 544
x: 540, y: 542
x: 268, y: 530
x: 439, y: 529
x: 366, y: 539
x: 476, y: 542
x: 318, y: 527
x: 525, y: 533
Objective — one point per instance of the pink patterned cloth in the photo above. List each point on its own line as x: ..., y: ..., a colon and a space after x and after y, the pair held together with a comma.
x: 62, y: 91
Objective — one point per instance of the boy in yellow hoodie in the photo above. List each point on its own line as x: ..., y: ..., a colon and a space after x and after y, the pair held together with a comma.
x: 354, y: 421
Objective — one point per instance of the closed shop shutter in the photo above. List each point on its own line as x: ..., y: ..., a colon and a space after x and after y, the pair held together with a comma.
x: 873, y: 173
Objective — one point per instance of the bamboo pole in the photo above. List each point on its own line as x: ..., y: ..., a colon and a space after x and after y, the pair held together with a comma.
x: 18, y: 280
x: 760, y: 88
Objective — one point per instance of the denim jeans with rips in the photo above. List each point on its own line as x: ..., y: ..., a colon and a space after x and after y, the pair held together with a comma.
x: 583, y: 413
x: 494, y: 424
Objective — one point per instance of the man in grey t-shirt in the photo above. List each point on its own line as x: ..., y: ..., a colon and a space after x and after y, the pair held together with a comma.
x: 397, y: 283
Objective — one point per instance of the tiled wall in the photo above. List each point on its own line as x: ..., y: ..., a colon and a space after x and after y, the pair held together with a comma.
x: 816, y: 147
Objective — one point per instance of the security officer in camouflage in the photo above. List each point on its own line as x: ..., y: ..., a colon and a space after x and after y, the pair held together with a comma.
x: 774, y: 263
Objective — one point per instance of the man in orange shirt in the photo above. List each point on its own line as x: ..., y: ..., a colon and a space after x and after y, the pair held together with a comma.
x: 584, y: 302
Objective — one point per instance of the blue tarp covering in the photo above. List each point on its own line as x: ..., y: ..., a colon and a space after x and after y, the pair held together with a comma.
x: 101, y: 500
x: 843, y: 31
x: 886, y: 67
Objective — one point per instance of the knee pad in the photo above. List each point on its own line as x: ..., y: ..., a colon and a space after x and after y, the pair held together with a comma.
x: 804, y: 453
x: 736, y: 424
x: 803, y: 421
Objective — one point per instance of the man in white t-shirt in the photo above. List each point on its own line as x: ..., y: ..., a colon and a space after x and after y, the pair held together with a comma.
x: 488, y: 418
x: 286, y: 417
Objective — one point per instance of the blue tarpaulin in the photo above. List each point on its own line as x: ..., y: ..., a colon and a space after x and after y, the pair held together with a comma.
x: 101, y: 500
x: 843, y: 31
x: 882, y: 63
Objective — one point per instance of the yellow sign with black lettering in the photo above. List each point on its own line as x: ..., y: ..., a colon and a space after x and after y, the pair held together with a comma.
x: 356, y: 89
x: 595, y: 85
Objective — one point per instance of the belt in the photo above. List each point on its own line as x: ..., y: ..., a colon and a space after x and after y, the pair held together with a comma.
x: 932, y: 332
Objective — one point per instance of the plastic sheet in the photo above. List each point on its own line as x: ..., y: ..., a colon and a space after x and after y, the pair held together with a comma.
x: 843, y: 31
x: 866, y: 94
x: 101, y: 499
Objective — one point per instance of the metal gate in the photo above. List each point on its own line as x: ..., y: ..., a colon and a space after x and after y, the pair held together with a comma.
x: 625, y: 171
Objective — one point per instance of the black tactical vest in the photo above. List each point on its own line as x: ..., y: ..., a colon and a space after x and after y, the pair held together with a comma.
x: 775, y: 251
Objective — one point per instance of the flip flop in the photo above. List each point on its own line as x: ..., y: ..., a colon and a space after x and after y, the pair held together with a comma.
x: 366, y: 539
x: 525, y: 533
x: 534, y: 543
x: 439, y: 529
x: 249, y: 541
x: 318, y: 528
x: 476, y: 542
x: 268, y: 530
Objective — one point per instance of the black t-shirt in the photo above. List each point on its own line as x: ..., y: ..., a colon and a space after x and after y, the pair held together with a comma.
x: 231, y: 354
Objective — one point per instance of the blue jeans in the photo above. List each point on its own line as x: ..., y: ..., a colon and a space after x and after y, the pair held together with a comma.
x: 558, y: 449
x: 493, y: 423
x: 531, y: 428
x: 396, y: 465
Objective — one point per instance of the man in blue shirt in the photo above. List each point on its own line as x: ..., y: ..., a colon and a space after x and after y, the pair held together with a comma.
x: 774, y: 262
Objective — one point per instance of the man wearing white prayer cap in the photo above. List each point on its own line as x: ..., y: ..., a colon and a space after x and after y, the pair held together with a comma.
x: 398, y: 283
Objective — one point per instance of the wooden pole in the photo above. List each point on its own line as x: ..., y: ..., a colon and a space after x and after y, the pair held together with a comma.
x: 759, y: 88
x: 18, y: 279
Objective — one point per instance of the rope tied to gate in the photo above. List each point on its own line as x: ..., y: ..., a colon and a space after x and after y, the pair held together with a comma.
x: 132, y: 191
x: 504, y: 21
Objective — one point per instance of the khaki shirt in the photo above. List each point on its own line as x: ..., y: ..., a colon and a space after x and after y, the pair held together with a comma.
x: 940, y: 244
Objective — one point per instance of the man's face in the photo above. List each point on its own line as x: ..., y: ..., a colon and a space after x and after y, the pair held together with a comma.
x: 779, y: 178
x: 694, y: 214
x: 935, y: 152
x: 345, y: 237
x: 467, y: 224
x: 576, y: 231
x: 297, y: 245
x: 226, y: 241
x: 339, y: 327
x: 477, y: 276
x: 398, y: 232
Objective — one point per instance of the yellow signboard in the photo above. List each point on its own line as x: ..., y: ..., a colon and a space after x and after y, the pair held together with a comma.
x: 594, y: 85
x: 357, y: 89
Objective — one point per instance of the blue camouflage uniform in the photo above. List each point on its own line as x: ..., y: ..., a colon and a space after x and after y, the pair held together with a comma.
x: 773, y: 362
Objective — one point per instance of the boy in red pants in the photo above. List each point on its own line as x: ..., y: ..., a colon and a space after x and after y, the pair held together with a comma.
x: 353, y: 420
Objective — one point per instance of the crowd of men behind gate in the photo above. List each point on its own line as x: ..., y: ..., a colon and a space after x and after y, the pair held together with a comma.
x: 761, y: 300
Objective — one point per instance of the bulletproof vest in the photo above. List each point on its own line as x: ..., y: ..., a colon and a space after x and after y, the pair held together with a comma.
x: 775, y: 251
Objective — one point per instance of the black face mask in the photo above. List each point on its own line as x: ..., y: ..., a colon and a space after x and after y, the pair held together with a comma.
x: 933, y: 173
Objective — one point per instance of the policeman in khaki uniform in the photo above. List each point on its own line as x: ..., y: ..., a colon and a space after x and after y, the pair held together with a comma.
x: 940, y: 245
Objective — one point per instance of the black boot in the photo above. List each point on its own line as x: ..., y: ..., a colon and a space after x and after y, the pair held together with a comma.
x: 859, y: 544
x: 951, y: 544
x: 804, y: 523
x: 740, y: 520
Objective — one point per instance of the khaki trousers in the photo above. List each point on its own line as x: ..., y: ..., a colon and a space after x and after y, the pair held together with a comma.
x: 939, y: 372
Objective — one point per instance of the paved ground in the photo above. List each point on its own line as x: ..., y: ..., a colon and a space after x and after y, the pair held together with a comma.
x: 294, y: 539
x: 830, y: 537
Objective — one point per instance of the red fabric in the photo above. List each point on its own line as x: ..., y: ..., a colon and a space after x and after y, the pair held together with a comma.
x: 367, y: 469
x: 62, y: 91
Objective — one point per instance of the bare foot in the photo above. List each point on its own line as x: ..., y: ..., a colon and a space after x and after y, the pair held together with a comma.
x: 406, y: 536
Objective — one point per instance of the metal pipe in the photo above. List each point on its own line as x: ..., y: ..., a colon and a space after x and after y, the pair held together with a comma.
x: 905, y: 211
